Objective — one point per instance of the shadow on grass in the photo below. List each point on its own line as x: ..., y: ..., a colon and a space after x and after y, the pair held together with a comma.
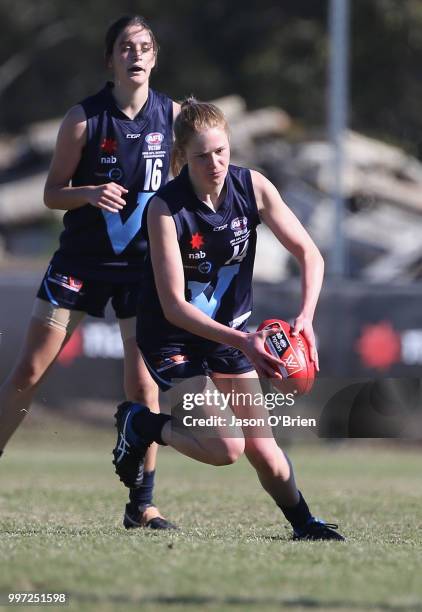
x: 259, y: 602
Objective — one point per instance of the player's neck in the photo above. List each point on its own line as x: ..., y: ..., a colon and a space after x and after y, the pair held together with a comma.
x: 212, y: 198
x: 130, y: 102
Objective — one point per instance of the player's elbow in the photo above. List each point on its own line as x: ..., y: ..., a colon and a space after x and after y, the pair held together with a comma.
x: 318, y: 259
x: 311, y: 256
x: 49, y: 199
x: 172, y: 312
x: 320, y: 263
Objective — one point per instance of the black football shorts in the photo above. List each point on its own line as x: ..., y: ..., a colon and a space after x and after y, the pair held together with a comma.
x: 168, y: 366
x: 91, y: 296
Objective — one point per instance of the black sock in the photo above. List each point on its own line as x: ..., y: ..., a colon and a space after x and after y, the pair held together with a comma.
x: 1, y: 452
x: 297, y: 515
x: 148, y: 425
x: 142, y: 497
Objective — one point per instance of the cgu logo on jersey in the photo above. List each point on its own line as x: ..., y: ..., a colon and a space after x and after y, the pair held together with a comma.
x: 240, y: 223
x: 205, y: 267
x: 154, y: 140
x: 115, y: 174
x: 133, y: 136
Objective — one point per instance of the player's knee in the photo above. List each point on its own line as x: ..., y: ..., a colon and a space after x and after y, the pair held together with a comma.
x: 26, y: 375
x: 226, y: 451
x: 143, y: 393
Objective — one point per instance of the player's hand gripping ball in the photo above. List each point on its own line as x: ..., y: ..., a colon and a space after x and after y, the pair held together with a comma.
x: 298, y: 371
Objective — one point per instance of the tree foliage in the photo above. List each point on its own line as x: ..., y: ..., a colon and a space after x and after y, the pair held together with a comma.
x: 270, y: 52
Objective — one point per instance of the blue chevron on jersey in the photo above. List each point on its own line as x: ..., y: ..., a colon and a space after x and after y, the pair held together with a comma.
x: 209, y: 304
x: 121, y: 233
x: 217, y: 250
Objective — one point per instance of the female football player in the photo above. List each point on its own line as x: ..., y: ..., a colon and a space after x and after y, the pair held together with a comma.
x: 112, y: 154
x: 195, y: 301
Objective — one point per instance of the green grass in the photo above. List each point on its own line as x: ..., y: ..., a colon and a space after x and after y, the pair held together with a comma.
x: 60, y: 530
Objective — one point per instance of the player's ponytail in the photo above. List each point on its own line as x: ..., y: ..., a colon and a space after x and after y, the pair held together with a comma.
x: 194, y: 116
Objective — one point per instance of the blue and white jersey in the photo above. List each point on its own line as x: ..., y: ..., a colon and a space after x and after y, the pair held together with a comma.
x: 133, y: 153
x: 218, y: 252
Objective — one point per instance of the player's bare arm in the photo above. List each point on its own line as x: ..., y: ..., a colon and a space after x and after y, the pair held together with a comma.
x: 176, y: 110
x: 291, y: 234
x: 58, y: 192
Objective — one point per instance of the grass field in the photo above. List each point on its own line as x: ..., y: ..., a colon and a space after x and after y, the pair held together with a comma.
x: 60, y: 520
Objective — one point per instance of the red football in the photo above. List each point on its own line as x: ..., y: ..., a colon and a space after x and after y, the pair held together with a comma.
x: 299, y: 371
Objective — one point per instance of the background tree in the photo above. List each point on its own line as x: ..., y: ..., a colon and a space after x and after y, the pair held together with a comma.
x: 269, y: 52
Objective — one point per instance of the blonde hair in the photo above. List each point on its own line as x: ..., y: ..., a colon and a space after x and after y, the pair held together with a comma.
x: 194, y: 116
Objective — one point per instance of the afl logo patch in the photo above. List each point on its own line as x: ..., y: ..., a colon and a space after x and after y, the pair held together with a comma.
x: 154, y: 138
x: 239, y: 223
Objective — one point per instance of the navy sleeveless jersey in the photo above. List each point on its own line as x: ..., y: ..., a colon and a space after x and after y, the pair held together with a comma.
x: 133, y: 153
x: 218, y: 252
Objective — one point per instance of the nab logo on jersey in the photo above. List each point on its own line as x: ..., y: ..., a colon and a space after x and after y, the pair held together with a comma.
x: 199, y: 255
x: 108, y: 160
